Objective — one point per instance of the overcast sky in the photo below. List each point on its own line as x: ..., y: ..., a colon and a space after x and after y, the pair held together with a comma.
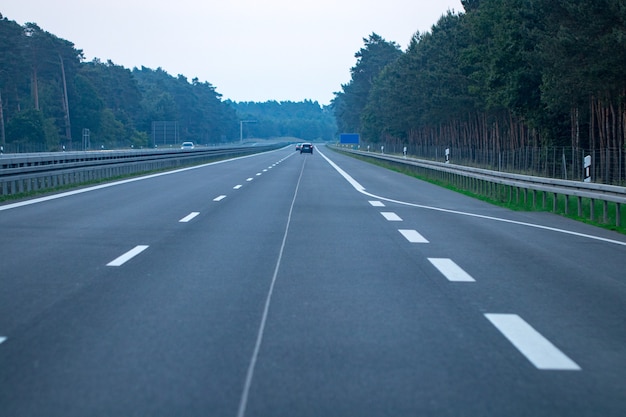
x: 249, y: 50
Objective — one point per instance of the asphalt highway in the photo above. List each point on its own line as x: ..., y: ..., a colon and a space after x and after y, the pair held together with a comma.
x: 288, y: 284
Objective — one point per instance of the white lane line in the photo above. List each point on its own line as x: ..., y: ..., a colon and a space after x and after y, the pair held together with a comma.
x: 392, y: 217
x: 2, y: 339
x: 243, y: 403
x: 450, y: 270
x: 265, y: 170
x: 377, y: 203
x: 258, y: 174
x: 413, y: 236
x: 189, y: 217
x: 128, y: 255
x: 537, y: 349
x: 116, y: 183
x: 249, y: 179
x: 219, y: 198
x: 238, y: 186
x: 361, y: 190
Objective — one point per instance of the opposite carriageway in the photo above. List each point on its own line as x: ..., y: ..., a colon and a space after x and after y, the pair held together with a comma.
x: 24, y: 173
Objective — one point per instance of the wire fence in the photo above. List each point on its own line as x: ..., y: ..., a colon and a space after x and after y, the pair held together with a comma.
x: 606, y: 166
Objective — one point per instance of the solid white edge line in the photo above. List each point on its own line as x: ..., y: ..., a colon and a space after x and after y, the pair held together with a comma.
x: 391, y: 216
x: 413, y: 236
x: 361, y: 190
x: 189, y: 217
x: 451, y: 270
x: 536, y: 348
x: 115, y: 183
x: 120, y: 260
x: 219, y: 198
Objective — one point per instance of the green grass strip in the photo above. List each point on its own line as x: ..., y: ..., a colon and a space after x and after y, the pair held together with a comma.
x: 518, y: 199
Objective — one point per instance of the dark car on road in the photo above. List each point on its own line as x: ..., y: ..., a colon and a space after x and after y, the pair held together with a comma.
x: 306, y: 147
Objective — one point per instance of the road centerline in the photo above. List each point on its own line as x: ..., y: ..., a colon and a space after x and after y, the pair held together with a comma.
x: 413, y: 236
x: 189, y: 217
x: 451, y: 270
x: 391, y: 216
x: 534, y: 346
x: 121, y: 260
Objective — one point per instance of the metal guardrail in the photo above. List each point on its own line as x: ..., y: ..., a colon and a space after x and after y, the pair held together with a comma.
x: 23, y: 173
x: 481, y: 181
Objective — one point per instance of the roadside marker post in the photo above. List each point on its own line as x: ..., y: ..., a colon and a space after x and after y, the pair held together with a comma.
x: 587, y: 165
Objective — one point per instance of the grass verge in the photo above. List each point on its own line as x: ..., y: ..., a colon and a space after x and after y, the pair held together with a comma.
x: 513, y: 199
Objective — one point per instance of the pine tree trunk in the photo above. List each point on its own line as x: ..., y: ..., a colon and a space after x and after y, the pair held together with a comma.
x: 2, y: 137
x: 35, y: 88
x: 66, y: 106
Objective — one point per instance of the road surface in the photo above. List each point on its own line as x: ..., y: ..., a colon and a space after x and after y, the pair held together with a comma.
x: 283, y: 284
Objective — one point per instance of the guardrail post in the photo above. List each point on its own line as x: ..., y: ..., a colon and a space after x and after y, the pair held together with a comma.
x: 592, y: 209
x: 483, y: 182
x: 580, y: 206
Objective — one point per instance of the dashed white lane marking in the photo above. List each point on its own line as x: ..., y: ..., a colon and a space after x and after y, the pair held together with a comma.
x: 413, y: 236
x: 116, y: 183
x: 265, y: 170
x: 537, y: 349
x: 119, y: 261
x: 2, y: 339
x: 392, y: 217
x: 258, y: 174
x: 450, y: 270
x: 361, y: 190
x: 189, y: 217
x: 238, y: 186
x: 219, y: 198
x: 249, y: 179
x: 377, y: 203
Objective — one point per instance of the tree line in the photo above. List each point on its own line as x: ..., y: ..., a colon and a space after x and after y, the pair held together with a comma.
x: 49, y: 95
x: 305, y: 120
x: 502, y: 75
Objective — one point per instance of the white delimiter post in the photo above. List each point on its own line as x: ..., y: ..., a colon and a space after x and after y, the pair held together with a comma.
x: 587, y: 165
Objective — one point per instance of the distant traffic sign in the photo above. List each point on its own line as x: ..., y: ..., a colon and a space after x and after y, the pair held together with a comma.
x: 350, y: 138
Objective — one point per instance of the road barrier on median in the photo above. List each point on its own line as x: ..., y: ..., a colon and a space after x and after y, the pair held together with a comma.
x: 24, y: 173
x: 486, y: 182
